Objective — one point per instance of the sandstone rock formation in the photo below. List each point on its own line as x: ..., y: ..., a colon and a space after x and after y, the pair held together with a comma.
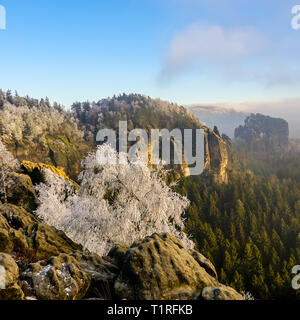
x: 22, y: 193
x: 220, y: 293
x: 159, y: 267
x: 60, y: 278
x: 216, y: 155
x: 12, y: 290
x: 264, y: 134
x: 21, y: 230
x: 52, y: 267
x: 36, y: 171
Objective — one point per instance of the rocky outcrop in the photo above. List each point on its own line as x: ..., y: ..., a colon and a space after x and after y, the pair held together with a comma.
x: 48, y: 241
x: 43, y: 263
x: 60, y: 278
x: 22, y: 193
x: 21, y: 230
x: 220, y: 293
x: 159, y: 267
x: 102, y: 273
x: 216, y: 155
x: 36, y: 171
x: 11, y: 289
x: 263, y: 134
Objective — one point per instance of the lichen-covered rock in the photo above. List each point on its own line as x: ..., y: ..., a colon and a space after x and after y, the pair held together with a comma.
x: 15, y: 223
x: 17, y: 217
x: 20, y: 230
x: 12, y: 290
x: 102, y: 273
x: 22, y: 193
x: 118, y: 253
x: 159, y: 267
x: 60, y: 278
x: 96, y: 266
x: 19, y: 240
x: 36, y: 171
x: 6, y: 245
x: 220, y: 293
x: 48, y: 242
x: 204, y: 263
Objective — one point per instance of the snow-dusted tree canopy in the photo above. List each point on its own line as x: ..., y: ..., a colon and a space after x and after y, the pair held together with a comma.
x: 116, y: 204
x: 30, y: 121
x: 7, y: 165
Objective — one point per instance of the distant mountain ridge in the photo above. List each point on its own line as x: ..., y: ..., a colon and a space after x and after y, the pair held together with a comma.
x: 40, y: 132
x: 224, y: 118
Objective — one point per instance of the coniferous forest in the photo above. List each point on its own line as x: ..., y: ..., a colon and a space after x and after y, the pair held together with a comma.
x: 250, y: 227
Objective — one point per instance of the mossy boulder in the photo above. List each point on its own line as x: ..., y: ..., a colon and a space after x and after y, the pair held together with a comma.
x: 48, y: 242
x: 117, y: 254
x: 6, y: 245
x: 11, y: 289
x: 59, y: 278
x: 22, y: 192
x: 204, y: 263
x: 20, y: 230
x: 160, y: 267
x: 220, y: 293
x: 17, y: 217
x: 102, y: 272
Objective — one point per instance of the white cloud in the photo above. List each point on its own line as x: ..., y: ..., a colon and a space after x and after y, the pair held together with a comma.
x: 214, y: 45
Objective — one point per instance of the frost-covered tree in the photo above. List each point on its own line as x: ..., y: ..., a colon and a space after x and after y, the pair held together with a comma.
x: 7, y: 165
x: 29, y: 121
x: 114, y: 204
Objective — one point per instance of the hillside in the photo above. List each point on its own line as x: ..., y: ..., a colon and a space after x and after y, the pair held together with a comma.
x: 143, y: 112
x: 37, y: 131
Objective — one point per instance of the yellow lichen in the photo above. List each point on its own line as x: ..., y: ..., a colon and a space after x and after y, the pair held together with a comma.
x: 30, y: 166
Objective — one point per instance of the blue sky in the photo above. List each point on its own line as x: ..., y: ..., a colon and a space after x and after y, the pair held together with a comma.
x: 185, y: 51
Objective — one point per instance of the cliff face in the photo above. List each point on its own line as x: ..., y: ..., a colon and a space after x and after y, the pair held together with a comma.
x: 264, y: 134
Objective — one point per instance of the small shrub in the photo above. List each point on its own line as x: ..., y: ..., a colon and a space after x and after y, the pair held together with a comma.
x: 24, y: 258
